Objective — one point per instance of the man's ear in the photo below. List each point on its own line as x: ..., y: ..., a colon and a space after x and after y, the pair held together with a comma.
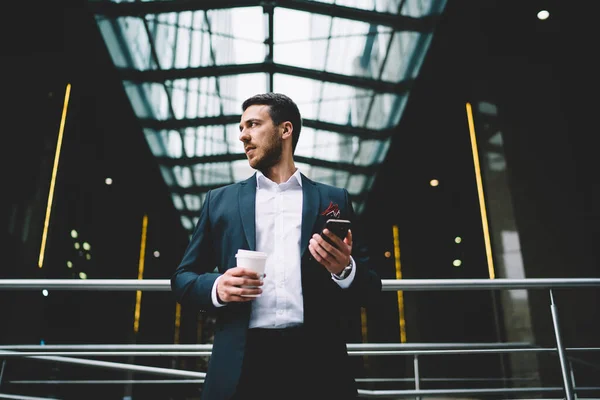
x: 288, y: 128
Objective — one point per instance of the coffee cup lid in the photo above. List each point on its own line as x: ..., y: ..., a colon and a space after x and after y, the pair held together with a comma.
x: 251, y: 254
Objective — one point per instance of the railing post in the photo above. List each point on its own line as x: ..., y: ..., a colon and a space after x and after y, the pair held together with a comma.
x: 572, y: 371
x: 2, y: 371
x: 417, y: 374
x: 561, y: 351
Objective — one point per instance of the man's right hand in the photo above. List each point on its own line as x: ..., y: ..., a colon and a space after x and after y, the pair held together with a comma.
x: 229, y: 286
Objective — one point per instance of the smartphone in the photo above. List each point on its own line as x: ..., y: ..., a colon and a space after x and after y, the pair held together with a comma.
x: 339, y: 227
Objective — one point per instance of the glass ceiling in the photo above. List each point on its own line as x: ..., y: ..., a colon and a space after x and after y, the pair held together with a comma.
x: 187, y: 66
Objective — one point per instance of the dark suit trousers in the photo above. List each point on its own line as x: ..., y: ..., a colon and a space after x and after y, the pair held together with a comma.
x: 280, y: 364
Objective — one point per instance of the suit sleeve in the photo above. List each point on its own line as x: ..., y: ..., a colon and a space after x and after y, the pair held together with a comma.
x: 193, y: 280
x: 365, y: 289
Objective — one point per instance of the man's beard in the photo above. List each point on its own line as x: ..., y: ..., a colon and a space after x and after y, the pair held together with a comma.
x: 271, y: 156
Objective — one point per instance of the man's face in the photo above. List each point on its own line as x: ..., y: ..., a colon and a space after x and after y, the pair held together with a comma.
x: 262, y: 139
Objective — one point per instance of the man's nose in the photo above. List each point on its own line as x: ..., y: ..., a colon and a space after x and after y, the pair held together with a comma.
x: 244, y: 137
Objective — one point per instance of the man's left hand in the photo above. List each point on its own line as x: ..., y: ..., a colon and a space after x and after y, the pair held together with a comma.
x: 333, y: 257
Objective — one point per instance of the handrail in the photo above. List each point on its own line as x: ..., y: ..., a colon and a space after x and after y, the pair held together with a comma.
x: 21, y: 397
x: 363, y: 393
x: 117, y: 366
x: 387, y: 284
x: 204, y: 347
x: 200, y: 353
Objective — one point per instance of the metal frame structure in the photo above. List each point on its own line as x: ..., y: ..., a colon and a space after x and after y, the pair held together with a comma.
x: 360, y: 83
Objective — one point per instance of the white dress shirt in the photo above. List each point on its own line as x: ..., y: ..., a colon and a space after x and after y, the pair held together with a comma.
x: 278, y: 231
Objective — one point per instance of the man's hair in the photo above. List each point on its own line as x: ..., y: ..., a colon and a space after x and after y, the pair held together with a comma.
x: 281, y: 109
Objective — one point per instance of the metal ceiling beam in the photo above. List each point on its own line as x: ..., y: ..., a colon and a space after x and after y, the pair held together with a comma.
x: 139, y: 9
x: 189, y: 161
x: 196, y: 189
x: 162, y: 75
x: 362, y: 133
x: 178, y: 124
x: 226, y: 158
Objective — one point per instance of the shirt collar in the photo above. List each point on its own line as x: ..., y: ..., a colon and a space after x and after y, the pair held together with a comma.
x: 262, y: 181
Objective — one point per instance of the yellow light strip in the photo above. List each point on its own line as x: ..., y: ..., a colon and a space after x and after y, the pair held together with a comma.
x: 364, y: 334
x: 363, y: 325
x: 484, y: 219
x: 177, y: 322
x: 138, y: 293
x: 400, y: 293
x: 61, y: 131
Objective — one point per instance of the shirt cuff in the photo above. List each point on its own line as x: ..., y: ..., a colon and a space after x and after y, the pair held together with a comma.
x: 347, y: 281
x: 213, y: 294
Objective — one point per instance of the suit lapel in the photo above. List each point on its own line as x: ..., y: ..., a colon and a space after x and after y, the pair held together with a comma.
x: 310, y: 207
x: 247, y: 207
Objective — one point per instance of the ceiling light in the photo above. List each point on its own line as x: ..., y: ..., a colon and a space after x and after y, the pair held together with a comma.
x: 543, y: 14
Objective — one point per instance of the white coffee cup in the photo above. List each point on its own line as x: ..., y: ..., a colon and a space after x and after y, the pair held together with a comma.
x: 254, y: 260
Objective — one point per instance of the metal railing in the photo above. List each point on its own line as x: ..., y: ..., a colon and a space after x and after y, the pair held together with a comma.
x: 66, y: 353
x: 389, y: 285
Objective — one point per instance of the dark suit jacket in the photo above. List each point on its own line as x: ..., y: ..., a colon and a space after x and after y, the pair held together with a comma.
x: 226, y: 224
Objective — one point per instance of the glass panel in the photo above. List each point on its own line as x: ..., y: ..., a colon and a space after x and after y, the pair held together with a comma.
x: 329, y: 176
x: 149, y: 100
x: 249, y: 30
x: 155, y: 143
x: 421, y: 8
x: 139, y: 101
x: 295, y: 36
x: 187, y: 222
x: 212, y: 173
x: 192, y: 202
x: 335, y: 45
x: 401, y: 61
x: 371, y: 152
x: 325, y: 145
x: 167, y: 175
x: 239, y: 87
x: 163, y: 39
x: 183, y: 176
x: 378, y: 111
x: 358, y: 206
x: 118, y: 54
x: 330, y: 102
x: 198, y: 141
x: 336, y: 147
x: 205, y: 141
x: 351, y: 46
x: 356, y: 183
x: 197, y: 97
x: 177, y: 201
